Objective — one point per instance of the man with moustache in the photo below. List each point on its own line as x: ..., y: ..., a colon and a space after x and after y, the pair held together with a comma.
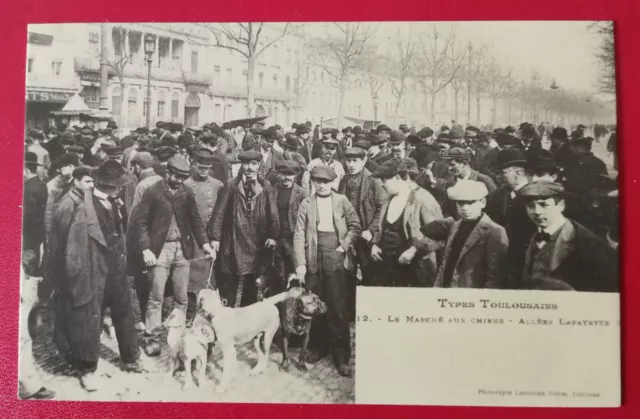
x: 328, y: 153
x: 206, y: 190
x: 326, y: 229
x: 245, y: 223
x: 376, y: 154
x: 287, y: 196
x: 164, y: 226
x: 270, y: 157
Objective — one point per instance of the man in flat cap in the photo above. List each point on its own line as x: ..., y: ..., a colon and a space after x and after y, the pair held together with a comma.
x: 397, y: 146
x: 288, y: 196
x: 367, y: 196
x: 34, y: 142
x: 506, y: 208
x: 163, y: 154
x: 384, y: 132
x: 366, y: 146
x: 328, y: 134
x: 89, y: 264
x: 165, y: 224
x: 206, y: 190
x: 329, y: 148
x: 291, y: 153
x: 220, y: 169
x: 348, y: 139
x: 326, y: 229
x: 475, y: 255
x: 34, y: 207
x: 377, y: 153
x: 304, y: 144
x: 490, y: 166
x: 244, y: 227
x: 562, y: 254
x: 270, y: 156
x: 583, y: 168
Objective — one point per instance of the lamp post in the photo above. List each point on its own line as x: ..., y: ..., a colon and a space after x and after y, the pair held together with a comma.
x: 553, y: 88
x: 375, y: 109
x: 149, y: 50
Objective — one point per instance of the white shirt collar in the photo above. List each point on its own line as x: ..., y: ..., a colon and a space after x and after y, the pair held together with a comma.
x: 100, y: 195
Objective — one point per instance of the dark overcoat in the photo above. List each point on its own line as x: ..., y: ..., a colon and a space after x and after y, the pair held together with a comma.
x: 372, y: 198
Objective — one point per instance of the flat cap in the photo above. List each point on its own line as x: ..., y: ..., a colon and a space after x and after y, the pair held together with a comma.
x: 169, y: 141
x: 185, y: 141
x: 357, y: 130
x: 325, y: 131
x: 388, y: 169
x: 179, y: 165
x: 425, y: 132
x: 203, y: 156
x: 363, y: 144
x: 250, y: 155
x: 164, y: 153
x: 382, y: 127
x: 75, y: 149
x: 270, y: 135
x: 323, y: 173
x: 397, y: 137
x: 288, y: 167
x: 142, y: 158
x: 506, y: 139
x: 467, y: 190
x: 541, y: 189
x: 457, y: 153
x: 329, y: 140
x: 356, y: 152
x: 112, y: 150
x: 176, y: 126
x: 414, y: 140
x: 302, y: 129
x: 346, y: 130
x: 87, y: 131
x: 471, y: 129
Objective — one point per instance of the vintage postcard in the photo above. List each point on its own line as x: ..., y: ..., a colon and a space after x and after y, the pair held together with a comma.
x: 351, y: 212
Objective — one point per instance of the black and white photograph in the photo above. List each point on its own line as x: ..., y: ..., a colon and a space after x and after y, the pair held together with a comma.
x: 203, y: 202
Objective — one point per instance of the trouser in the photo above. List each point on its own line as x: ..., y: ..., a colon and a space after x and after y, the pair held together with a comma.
x: 283, y: 264
x: 28, y: 375
x: 391, y: 273
x: 240, y: 290
x: 331, y: 330
x: 82, y: 326
x: 170, y: 263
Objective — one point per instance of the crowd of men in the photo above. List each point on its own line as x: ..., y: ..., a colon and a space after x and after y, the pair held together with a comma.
x: 180, y: 209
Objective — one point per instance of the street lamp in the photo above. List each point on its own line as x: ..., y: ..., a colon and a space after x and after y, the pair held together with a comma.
x: 553, y: 88
x: 375, y: 108
x: 149, y: 50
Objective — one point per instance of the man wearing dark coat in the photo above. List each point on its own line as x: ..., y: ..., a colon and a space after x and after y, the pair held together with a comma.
x: 564, y: 255
x: 244, y: 227
x: 164, y: 226
x: 287, y: 196
x: 291, y: 154
x: 304, y: 144
x: 35, y: 201
x: 89, y: 264
x: 505, y: 207
x: 583, y: 168
x: 220, y: 169
x: 270, y: 157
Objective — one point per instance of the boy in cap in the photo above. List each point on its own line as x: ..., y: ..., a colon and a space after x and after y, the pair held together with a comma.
x: 244, y: 229
x: 206, y: 190
x: 164, y: 226
x: 290, y: 153
x: 288, y: 196
x: 326, y: 229
x: 562, y: 254
x: 475, y: 255
x: 329, y: 148
x: 304, y: 144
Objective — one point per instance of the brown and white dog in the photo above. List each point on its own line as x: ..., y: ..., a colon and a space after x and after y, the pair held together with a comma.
x: 296, y: 314
x: 236, y: 326
x: 187, y: 345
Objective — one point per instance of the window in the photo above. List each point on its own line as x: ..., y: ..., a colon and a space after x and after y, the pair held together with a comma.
x: 307, y: 72
x: 275, y: 81
x: 116, y: 103
x: 56, y: 66
x: 216, y: 74
x: 217, y: 112
x: 175, y: 106
x: 161, y: 103
x: 132, y: 100
x: 30, y: 65
x: 321, y: 76
x: 288, y: 55
x: 194, y: 61
x: 321, y: 98
x: 313, y: 74
x: 260, y: 79
x: 314, y: 98
x: 176, y: 54
x: 287, y: 83
x: 229, y: 76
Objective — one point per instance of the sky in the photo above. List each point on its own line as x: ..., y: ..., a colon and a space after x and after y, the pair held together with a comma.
x: 560, y: 50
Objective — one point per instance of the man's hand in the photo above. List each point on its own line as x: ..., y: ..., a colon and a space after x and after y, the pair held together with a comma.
x: 407, y: 256
x: 367, y: 236
x: 149, y: 258
x: 301, y: 272
x: 209, y: 252
x: 376, y: 253
x: 215, y: 245
x: 270, y: 244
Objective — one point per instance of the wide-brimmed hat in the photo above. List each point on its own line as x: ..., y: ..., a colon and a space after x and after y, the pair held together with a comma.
x: 111, y: 173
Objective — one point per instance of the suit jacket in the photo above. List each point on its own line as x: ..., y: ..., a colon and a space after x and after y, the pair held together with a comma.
x: 372, y: 198
x: 483, y: 260
x: 152, y: 218
x: 574, y: 256
x: 297, y: 196
x: 305, y: 239
x: 268, y: 168
x: 34, y: 206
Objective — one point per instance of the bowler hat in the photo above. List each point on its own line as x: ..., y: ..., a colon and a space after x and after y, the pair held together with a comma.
x: 290, y: 141
x: 382, y: 127
x: 67, y: 159
x: 203, y: 156
x: 164, y: 153
x: 511, y: 157
x: 397, y: 137
x: 425, y: 132
x: 425, y: 154
x: 323, y: 173
x: 414, y: 140
x: 363, y: 144
x: 169, y: 141
x: 288, y: 167
x: 250, y: 155
x: 302, y: 129
x: 357, y: 130
x: 110, y: 173
x: 179, y: 165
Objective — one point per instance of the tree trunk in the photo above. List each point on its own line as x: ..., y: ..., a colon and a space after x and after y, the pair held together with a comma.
x: 433, y: 108
x: 343, y: 86
x: 469, y: 102
x: 251, y: 66
x: 509, y: 112
x: 455, y: 105
x: 478, y: 106
x: 494, y: 111
x: 395, y: 114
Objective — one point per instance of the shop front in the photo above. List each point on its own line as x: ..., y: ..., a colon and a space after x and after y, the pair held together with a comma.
x: 41, y: 102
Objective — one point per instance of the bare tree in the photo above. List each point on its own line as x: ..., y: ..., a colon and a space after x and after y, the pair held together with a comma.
x: 400, y: 70
x: 301, y: 81
x: 250, y: 40
x: 495, y: 77
x: 458, y: 81
x: 436, y: 68
x: 342, y: 51
x: 474, y: 73
x: 606, y: 56
x: 372, y: 76
x: 510, y: 93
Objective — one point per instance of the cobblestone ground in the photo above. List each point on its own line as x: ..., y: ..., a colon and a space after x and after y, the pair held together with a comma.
x: 320, y: 384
